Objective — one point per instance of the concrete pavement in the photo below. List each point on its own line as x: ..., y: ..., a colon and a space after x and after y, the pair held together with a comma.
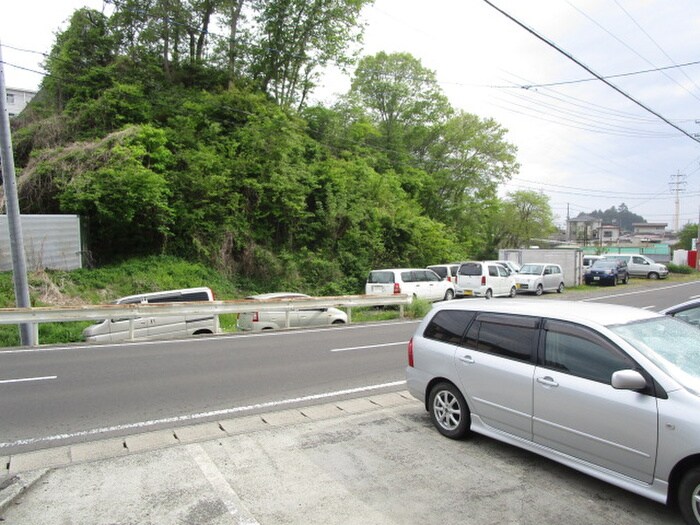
x: 375, y: 460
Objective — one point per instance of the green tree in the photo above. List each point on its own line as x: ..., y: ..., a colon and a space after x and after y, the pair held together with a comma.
x: 523, y: 217
x: 686, y: 236
x: 296, y: 38
x: 78, y: 65
x: 402, y: 97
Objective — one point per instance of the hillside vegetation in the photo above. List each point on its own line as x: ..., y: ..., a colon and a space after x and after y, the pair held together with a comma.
x: 168, y: 138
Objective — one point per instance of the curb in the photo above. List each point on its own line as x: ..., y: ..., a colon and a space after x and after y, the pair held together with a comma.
x: 12, y: 487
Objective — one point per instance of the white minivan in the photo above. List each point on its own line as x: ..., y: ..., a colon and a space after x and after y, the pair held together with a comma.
x: 485, y: 279
x: 157, y: 327
x: 417, y: 282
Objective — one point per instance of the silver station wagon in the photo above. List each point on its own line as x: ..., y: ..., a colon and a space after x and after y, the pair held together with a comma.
x: 611, y: 391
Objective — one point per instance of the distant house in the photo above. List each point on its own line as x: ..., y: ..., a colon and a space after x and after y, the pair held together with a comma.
x: 583, y: 229
x: 649, y: 231
x: 609, y: 234
x: 17, y: 100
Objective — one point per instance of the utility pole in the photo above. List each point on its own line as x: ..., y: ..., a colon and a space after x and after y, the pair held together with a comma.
x: 677, y: 186
x: 27, y: 333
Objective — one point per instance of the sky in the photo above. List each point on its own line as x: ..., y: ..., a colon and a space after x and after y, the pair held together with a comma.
x: 580, y: 142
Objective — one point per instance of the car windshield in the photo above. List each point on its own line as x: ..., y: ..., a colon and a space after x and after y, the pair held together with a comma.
x: 672, y: 345
x: 604, y: 265
x: 531, y: 269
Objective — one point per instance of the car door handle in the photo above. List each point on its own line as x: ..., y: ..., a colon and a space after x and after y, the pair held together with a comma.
x: 547, y: 381
x: 466, y: 359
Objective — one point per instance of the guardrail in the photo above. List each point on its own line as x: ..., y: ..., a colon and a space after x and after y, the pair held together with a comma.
x: 53, y: 314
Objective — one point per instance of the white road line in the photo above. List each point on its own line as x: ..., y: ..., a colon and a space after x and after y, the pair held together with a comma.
x: 648, y: 290
x: 651, y: 306
x: 221, y: 487
x: 367, y: 346
x: 202, y: 415
x: 694, y: 297
x: 27, y: 379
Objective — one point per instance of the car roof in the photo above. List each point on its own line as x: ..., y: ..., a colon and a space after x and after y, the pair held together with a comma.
x: 574, y: 311
x: 276, y: 295
x: 401, y: 270
x: 680, y: 307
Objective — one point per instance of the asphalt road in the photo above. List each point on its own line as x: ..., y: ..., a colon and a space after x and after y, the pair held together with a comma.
x: 62, y: 395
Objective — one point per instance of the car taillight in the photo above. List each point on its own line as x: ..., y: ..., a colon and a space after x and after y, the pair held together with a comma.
x: 397, y: 288
x: 483, y: 280
x: 449, y: 279
x: 255, y: 317
x: 410, y: 352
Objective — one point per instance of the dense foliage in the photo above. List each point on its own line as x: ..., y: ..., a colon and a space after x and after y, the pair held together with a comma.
x: 168, y: 138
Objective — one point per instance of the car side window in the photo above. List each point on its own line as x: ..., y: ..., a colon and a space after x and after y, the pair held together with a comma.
x: 449, y: 325
x: 513, y: 337
x: 639, y: 260
x: 502, y: 271
x: 579, y: 352
x: 493, y: 271
x: 408, y: 277
x: 431, y: 276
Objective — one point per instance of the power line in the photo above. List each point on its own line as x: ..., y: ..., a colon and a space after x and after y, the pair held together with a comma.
x: 599, y: 77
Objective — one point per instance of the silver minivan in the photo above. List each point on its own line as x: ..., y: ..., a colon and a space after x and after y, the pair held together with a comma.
x: 641, y: 266
x: 609, y: 390
x: 156, y: 327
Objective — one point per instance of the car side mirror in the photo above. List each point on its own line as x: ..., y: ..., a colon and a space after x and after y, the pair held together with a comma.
x: 628, y: 380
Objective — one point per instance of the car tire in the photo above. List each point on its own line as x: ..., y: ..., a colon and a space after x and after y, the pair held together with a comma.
x: 489, y: 293
x: 561, y: 288
x: 449, y: 295
x: 512, y: 293
x: 338, y: 321
x: 689, y: 496
x: 626, y: 279
x: 653, y: 275
x: 449, y: 411
x: 539, y: 290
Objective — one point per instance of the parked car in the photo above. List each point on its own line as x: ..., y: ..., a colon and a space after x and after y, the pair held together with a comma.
x: 511, y: 266
x: 272, y: 320
x: 609, y: 390
x: 688, y: 311
x: 448, y: 272
x: 641, y: 266
x: 539, y: 277
x: 607, y: 271
x: 485, y: 279
x: 417, y: 282
x: 156, y: 327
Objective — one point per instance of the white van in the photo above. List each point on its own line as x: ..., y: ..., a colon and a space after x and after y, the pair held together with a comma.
x: 417, y: 282
x: 157, y: 327
x: 639, y: 265
x: 485, y: 279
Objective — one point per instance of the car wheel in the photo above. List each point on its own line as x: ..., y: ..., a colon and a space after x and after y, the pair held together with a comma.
x: 614, y: 281
x: 338, y: 321
x: 449, y: 295
x: 626, y: 279
x: 449, y: 411
x: 512, y: 292
x: 561, y: 288
x: 653, y: 275
x: 489, y: 293
x: 539, y: 290
x: 689, y: 496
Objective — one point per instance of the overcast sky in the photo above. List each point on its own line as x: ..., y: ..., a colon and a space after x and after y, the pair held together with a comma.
x: 582, y: 143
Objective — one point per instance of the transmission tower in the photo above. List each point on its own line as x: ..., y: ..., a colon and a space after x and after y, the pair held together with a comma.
x: 677, y: 185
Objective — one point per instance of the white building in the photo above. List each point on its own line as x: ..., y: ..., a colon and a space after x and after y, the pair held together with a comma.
x: 17, y: 100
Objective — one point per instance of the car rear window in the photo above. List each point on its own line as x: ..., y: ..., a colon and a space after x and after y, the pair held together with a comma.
x: 381, y: 278
x: 440, y: 270
x: 470, y: 269
x: 449, y: 325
